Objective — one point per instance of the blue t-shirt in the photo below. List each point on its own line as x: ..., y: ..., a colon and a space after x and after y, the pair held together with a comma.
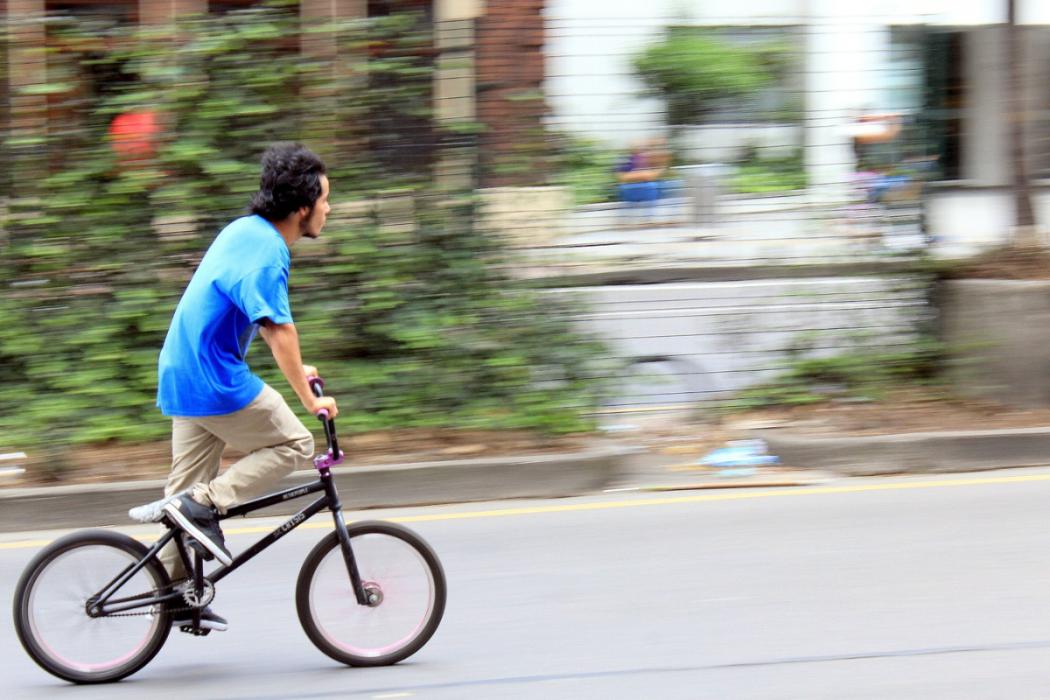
x: 242, y: 280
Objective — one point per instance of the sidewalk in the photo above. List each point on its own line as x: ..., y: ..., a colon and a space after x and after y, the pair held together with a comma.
x: 675, y: 468
x: 645, y: 453
x: 642, y: 453
x: 360, y: 487
x: 743, y: 232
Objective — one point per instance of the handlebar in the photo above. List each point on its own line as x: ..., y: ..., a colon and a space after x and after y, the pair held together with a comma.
x: 317, y: 386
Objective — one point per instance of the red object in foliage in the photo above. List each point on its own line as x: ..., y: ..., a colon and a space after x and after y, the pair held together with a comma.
x: 132, y: 134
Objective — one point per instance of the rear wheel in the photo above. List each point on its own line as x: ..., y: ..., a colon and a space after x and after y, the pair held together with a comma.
x: 402, y: 575
x: 52, y: 600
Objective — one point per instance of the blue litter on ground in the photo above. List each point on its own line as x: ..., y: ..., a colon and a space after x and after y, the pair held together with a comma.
x: 739, y: 458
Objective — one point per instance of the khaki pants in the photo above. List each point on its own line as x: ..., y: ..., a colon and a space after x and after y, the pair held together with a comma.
x: 275, y: 443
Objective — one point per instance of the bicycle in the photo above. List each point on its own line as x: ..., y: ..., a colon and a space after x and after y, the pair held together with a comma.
x: 95, y: 606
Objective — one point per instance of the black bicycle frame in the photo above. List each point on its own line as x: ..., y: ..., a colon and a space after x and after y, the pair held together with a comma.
x: 103, y: 604
x: 329, y: 500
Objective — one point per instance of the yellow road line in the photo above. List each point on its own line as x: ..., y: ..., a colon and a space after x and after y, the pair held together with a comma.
x: 707, y: 496
x: 24, y: 543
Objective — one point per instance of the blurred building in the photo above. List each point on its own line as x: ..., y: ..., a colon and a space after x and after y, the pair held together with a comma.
x: 518, y: 69
x: 939, y: 66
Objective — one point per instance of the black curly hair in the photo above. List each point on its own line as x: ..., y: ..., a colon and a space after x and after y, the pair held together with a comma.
x: 290, y: 180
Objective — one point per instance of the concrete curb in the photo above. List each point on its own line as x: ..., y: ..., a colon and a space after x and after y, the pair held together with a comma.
x: 422, y: 483
x: 720, y: 271
x: 912, y: 453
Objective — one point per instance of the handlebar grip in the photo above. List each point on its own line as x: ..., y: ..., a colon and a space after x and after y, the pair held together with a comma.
x: 316, y: 385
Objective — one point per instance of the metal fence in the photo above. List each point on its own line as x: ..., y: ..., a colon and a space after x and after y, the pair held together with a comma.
x: 613, y: 145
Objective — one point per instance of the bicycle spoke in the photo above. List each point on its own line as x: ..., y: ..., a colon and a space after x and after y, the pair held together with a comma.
x: 59, y: 621
x: 405, y: 582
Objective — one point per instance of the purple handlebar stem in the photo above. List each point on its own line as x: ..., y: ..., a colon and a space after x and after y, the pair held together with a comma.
x: 326, y: 461
x: 312, y: 380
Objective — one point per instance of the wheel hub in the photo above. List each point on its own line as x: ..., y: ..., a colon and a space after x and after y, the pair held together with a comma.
x: 373, y: 594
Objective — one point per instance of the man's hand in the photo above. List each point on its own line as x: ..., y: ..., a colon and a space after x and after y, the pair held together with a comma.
x: 326, y: 403
x: 323, y: 402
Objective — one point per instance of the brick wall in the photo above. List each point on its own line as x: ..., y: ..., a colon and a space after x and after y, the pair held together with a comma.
x: 510, y: 70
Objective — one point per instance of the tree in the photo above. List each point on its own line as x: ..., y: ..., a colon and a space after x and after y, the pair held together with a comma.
x: 696, y: 72
x: 1024, y: 222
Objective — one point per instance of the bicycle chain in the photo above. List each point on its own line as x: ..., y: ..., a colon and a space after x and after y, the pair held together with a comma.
x: 149, y: 612
x: 139, y: 614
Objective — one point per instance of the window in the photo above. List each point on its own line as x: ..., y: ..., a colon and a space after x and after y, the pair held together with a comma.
x: 924, y: 82
x: 1037, y: 133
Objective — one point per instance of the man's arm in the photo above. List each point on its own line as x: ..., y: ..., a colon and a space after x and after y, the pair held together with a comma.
x: 283, y: 340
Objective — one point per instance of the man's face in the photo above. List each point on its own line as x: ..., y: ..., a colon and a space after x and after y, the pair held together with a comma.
x: 316, y: 217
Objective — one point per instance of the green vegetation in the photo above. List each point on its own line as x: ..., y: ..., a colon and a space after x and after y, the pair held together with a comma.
x: 412, y: 321
x: 695, y: 72
x: 861, y: 374
x: 587, y: 169
x: 757, y: 175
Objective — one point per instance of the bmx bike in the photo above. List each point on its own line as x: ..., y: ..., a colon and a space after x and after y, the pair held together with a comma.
x: 95, y: 606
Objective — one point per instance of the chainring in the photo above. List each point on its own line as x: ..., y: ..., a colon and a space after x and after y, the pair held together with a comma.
x: 191, y: 596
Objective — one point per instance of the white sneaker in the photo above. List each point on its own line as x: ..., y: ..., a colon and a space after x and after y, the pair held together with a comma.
x: 151, y: 512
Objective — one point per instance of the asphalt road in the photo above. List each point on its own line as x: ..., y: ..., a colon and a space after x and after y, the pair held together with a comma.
x: 919, y: 587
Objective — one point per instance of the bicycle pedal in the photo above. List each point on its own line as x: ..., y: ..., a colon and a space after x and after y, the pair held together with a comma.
x: 189, y: 629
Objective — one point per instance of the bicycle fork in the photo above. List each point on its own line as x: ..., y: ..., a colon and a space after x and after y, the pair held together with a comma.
x: 364, y: 596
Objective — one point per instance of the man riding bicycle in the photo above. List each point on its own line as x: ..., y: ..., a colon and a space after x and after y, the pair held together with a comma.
x: 204, y: 384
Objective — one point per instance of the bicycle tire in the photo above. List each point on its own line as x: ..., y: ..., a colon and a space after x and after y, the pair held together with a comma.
x: 31, y: 612
x: 378, y: 547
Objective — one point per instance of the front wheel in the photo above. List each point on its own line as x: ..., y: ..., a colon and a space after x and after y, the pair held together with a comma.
x: 52, y: 601
x: 401, y: 573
